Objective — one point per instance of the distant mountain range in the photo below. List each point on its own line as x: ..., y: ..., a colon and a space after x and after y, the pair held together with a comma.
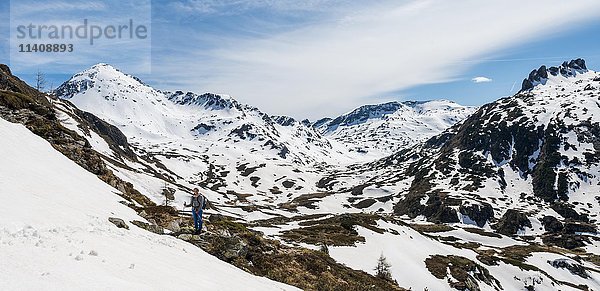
x: 217, y: 138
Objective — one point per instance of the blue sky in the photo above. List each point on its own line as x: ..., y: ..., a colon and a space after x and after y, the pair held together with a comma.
x: 317, y: 58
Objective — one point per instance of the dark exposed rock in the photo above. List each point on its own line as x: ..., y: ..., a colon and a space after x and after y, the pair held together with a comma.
x: 283, y: 120
x: 437, y: 208
x: 365, y: 203
x: 566, y: 241
x: 536, y: 76
x: 541, y: 75
x: 68, y: 89
x: 326, y: 183
x: 363, y: 113
x: 321, y: 121
x: 466, y: 273
x: 573, y: 267
x: 305, y: 200
x: 512, y: 222
x: 288, y: 184
x: 545, y: 174
x: 481, y: 214
x: 244, y: 132
x: 526, y: 85
x: 552, y: 224
x: 203, y: 128
x: 245, y: 170
x: 115, y: 139
x: 577, y: 64
x: 207, y: 100
x: 358, y: 190
x: 572, y: 227
x: 567, y: 211
x: 149, y: 227
x: 283, y: 152
x: 118, y: 222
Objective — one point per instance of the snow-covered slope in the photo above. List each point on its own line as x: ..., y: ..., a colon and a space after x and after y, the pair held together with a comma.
x: 55, y: 233
x: 383, y: 129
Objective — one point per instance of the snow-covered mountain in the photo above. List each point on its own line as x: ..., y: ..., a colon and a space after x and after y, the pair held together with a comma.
x: 525, y: 166
x: 228, y: 147
x: 210, y: 140
x: 383, y: 129
x: 517, y: 165
x: 501, y: 197
x: 148, y: 115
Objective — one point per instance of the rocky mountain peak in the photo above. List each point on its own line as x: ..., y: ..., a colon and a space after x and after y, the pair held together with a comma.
x: 283, y: 120
x: 364, y: 113
x: 207, y: 100
x: 5, y: 69
x: 11, y: 83
x: 100, y: 73
x: 541, y: 75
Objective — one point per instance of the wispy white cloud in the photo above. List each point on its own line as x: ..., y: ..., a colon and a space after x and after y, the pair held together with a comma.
x: 32, y: 7
x: 369, y: 51
x: 481, y: 79
x: 239, y: 6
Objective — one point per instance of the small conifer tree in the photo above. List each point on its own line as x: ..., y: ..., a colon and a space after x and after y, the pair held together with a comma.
x: 382, y: 270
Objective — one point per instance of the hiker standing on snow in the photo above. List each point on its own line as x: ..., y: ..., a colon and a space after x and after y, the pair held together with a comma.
x: 198, y: 203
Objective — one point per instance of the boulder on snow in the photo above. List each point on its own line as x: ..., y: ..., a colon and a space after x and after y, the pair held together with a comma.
x: 185, y: 236
x: 573, y: 267
x: 118, y: 222
x: 149, y: 227
x: 573, y: 227
x: 511, y: 222
x: 552, y: 224
x: 567, y: 211
x: 565, y: 241
x: 480, y: 214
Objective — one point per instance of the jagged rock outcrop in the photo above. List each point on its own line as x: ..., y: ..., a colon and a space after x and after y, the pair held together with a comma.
x: 512, y: 222
x: 479, y: 213
x: 540, y: 76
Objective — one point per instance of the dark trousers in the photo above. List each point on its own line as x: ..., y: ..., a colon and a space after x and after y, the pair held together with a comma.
x: 197, y: 215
